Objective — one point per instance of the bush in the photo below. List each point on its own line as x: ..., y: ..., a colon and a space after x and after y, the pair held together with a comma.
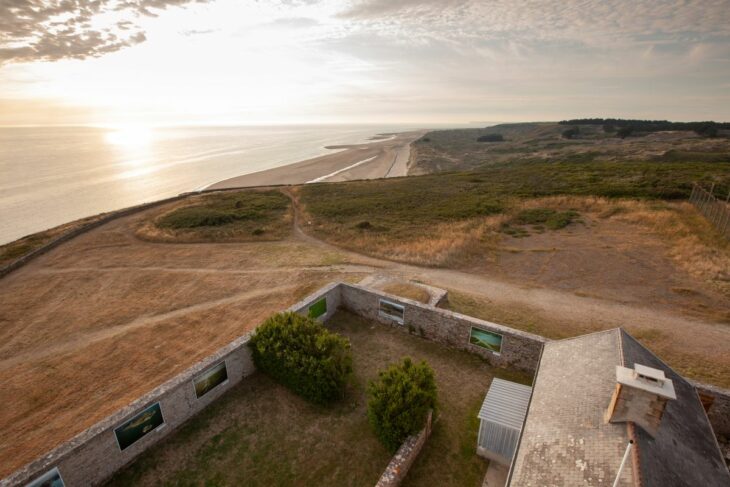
x: 491, y: 138
x: 303, y: 355
x: 217, y: 210
x: 195, y: 216
x: 552, y: 219
x: 571, y: 132
x: 707, y: 130
x: 399, y: 401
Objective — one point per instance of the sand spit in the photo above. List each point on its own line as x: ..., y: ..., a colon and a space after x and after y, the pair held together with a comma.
x: 380, y: 158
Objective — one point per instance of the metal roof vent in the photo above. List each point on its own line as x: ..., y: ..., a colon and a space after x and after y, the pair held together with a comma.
x: 641, y: 396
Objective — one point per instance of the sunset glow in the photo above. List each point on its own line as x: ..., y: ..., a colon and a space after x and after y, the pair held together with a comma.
x: 231, y: 62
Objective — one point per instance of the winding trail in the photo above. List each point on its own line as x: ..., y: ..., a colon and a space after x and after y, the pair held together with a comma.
x: 85, y: 339
x: 705, y: 337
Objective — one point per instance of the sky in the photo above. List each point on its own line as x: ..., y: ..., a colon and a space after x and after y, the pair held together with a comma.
x: 132, y: 62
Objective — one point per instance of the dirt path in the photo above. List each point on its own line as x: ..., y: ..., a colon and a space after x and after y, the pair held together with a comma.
x: 86, y: 339
x: 698, y: 338
x: 346, y: 268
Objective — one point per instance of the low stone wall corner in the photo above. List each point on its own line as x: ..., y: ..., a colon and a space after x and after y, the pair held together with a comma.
x: 401, y: 462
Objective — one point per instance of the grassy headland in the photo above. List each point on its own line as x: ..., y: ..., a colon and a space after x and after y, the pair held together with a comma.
x: 220, y: 217
x: 449, y: 150
x: 451, y: 219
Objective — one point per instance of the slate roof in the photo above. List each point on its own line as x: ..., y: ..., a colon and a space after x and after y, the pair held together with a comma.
x: 565, y: 440
x: 684, y: 451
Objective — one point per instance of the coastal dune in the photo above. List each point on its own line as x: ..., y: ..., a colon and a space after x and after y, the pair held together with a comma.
x: 385, y: 156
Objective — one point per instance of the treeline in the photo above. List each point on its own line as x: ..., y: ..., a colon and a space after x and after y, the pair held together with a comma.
x: 625, y: 127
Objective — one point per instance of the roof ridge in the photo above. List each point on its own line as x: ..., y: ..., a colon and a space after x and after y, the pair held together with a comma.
x: 626, y: 334
x: 610, y: 330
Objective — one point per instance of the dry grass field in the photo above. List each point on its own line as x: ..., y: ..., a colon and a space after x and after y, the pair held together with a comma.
x: 623, y: 249
x: 106, y: 317
x: 91, y: 325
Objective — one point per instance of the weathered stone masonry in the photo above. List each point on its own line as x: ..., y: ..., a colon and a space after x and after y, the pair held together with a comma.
x: 520, y: 350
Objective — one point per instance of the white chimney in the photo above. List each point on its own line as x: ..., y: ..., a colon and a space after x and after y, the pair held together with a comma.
x: 641, y: 395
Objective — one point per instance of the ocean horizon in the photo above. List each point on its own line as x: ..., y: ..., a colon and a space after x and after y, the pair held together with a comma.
x: 53, y: 175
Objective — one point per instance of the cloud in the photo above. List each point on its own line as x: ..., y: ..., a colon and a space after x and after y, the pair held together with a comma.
x: 371, y: 9
x: 197, y: 32
x: 37, y: 30
x: 591, y: 21
x: 294, y: 22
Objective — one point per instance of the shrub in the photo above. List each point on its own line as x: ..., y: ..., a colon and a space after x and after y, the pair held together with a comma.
x: 223, y: 209
x: 491, y: 138
x: 624, y: 132
x: 303, y: 355
x: 560, y: 220
x: 552, y: 219
x: 195, y: 216
x: 399, y: 401
x: 571, y: 132
x: 707, y: 129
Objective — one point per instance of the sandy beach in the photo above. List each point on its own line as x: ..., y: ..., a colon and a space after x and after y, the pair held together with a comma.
x: 387, y: 155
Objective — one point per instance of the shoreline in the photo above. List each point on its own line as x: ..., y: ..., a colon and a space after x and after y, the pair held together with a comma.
x: 385, y: 155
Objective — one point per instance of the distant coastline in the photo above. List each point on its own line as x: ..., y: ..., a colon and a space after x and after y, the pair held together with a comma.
x: 50, y: 176
x: 386, y: 155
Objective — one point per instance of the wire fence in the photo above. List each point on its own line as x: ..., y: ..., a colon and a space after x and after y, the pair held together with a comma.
x: 716, y: 210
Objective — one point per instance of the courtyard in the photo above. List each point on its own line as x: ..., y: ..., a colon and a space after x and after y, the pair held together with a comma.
x: 261, y: 433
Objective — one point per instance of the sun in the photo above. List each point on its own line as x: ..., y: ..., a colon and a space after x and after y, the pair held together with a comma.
x: 129, y: 136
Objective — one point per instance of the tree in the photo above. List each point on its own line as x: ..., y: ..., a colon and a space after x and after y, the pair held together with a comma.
x: 399, y: 401
x: 707, y: 129
x: 624, y: 132
x: 303, y: 355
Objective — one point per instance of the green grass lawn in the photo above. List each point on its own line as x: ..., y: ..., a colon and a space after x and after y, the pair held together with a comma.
x: 259, y: 433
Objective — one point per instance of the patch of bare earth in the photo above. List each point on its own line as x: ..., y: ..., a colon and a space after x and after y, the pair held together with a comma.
x: 627, y: 251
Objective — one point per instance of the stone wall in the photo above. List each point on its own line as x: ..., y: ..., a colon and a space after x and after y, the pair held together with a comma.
x: 331, y: 292
x: 65, y: 237
x: 401, y: 462
x: 94, y: 455
x: 519, y: 349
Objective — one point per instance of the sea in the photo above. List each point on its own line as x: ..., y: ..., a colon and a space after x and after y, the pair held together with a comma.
x: 53, y: 175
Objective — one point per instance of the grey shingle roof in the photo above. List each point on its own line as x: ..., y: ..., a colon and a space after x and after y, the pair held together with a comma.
x: 684, y: 450
x: 565, y: 440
